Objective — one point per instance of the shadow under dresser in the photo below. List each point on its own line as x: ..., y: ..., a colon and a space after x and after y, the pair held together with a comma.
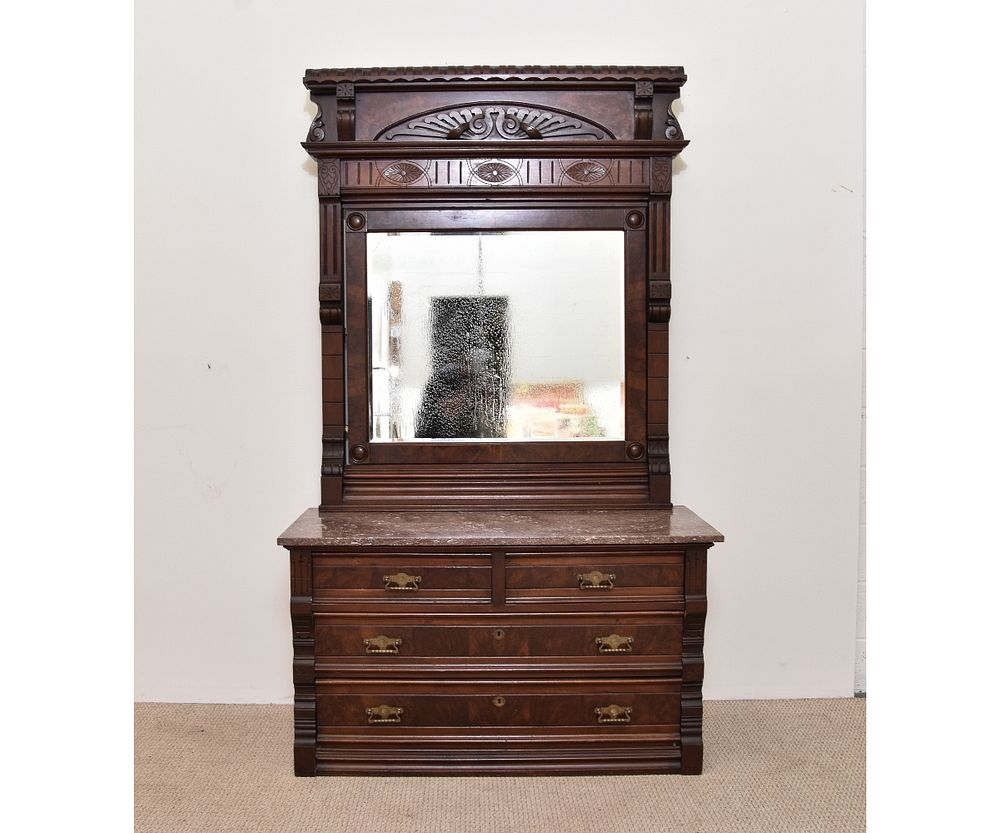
x: 498, y: 642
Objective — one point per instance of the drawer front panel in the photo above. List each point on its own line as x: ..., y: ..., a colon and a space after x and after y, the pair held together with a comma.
x: 395, y: 638
x: 550, y: 706
x: 402, y: 578
x: 601, y: 578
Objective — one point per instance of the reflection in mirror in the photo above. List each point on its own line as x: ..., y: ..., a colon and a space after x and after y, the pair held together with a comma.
x: 497, y: 336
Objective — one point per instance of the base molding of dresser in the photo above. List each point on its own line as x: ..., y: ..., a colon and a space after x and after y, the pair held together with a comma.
x: 508, y: 755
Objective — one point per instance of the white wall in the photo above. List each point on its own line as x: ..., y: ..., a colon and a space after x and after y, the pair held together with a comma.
x: 766, y: 335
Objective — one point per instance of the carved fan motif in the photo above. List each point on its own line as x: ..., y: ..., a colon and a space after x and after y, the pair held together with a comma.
x: 586, y: 171
x: 402, y: 172
x: 493, y: 122
x: 494, y: 172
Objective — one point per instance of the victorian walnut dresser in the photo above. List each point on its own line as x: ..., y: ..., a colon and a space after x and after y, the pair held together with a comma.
x: 496, y: 580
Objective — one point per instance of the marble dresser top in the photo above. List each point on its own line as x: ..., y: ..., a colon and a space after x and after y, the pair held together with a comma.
x: 507, y: 528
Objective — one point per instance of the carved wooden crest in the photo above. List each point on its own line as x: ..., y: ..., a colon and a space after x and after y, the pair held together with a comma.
x: 494, y: 122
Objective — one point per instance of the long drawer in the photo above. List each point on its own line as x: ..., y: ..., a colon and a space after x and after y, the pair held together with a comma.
x: 549, y: 707
x: 403, y: 643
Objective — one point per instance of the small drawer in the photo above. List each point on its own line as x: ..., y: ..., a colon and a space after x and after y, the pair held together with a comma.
x: 595, y: 577
x: 615, y: 706
x: 395, y: 640
x: 402, y: 578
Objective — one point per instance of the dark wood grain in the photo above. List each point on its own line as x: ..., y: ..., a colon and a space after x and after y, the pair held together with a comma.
x: 499, y: 657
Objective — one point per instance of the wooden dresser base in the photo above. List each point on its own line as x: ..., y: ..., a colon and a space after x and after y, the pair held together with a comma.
x: 488, y: 643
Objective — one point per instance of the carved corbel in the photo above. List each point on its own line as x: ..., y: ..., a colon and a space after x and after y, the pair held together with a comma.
x: 345, y: 112
x: 333, y: 456
x: 673, y: 127
x: 331, y: 305
x: 317, y: 130
x: 643, y: 109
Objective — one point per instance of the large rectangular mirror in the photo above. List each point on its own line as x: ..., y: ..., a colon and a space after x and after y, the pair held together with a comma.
x: 516, y: 335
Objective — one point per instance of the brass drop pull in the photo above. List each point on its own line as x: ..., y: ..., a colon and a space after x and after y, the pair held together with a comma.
x: 596, y: 580
x: 382, y: 645
x: 385, y: 714
x: 613, y: 714
x: 401, y: 581
x: 614, y: 644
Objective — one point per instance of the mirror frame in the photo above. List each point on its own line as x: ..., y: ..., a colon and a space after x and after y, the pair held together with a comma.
x: 501, y: 148
x: 473, y: 219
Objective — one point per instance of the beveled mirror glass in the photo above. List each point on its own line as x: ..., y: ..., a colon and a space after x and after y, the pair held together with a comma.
x: 496, y: 336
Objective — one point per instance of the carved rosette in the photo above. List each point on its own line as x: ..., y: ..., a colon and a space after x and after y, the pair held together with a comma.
x: 494, y: 172
x: 402, y: 172
x: 586, y: 172
x: 625, y: 174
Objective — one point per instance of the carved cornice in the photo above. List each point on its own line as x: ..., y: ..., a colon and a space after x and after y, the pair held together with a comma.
x: 494, y: 121
x: 527, y: 149
x: 672, y: 75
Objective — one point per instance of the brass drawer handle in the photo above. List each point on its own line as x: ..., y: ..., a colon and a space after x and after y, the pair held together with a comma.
x: 614, y: 644
x: 596, y: 580
x: 401, y: 581
x: 382, y: 645
x: 613, y: 714
x: 385, y: 714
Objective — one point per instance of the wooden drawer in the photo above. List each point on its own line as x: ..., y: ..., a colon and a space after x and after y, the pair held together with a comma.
x: 400, y: 641
x: 600, y: 578
x: 547, y: 707
x: 400, y: 579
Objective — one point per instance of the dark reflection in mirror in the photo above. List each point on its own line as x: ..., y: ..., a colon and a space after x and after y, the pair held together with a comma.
x: 466, y: 394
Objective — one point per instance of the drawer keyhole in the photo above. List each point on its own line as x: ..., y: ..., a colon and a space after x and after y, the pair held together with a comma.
x: 498, y: 633
x: 499, y: 701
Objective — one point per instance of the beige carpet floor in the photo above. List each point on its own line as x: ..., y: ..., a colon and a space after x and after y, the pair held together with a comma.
x: 770, y: 765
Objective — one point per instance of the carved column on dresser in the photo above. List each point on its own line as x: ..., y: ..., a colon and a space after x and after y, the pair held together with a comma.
x: 303, y: 662
x: 658, y: 447
x: 331, y: 316
x: 693, y: 659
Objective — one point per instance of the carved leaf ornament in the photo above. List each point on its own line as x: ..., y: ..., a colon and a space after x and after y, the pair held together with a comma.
x: 586, y: 171
x: 494, y: 172
x: 402, y: 172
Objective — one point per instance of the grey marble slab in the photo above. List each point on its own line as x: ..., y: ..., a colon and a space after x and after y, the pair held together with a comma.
x: 507, y: 528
